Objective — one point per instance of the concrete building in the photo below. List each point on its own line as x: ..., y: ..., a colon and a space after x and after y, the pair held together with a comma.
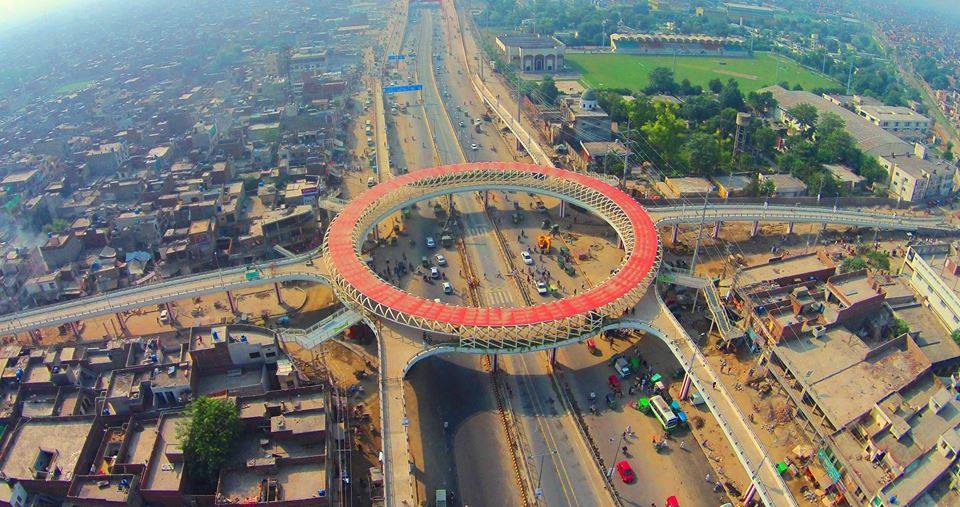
x: 585, y: 119
x: 596, y: 156
x: 25, y: 183
x: 739, y: 12
x: 532, y: 53
x: 785, y: 185
x: 106, y: 159
x: 847, y: 178
x: 934, y: 272
x: 870, y: 138
x: 60, y: 249
x: 916, y: 179
x: 686, y: 187
x: 902, y: 121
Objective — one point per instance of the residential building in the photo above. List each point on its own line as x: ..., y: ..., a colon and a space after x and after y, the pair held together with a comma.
x: 917, y: 179
x: 25, y: 183
x: 595, y: 156
x: 106, y: 159
x: 902, y: 121
x: 586, y: 120
x: 848, y: 179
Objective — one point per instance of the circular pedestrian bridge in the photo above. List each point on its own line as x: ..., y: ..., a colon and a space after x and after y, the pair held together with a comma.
x: 569, y: 318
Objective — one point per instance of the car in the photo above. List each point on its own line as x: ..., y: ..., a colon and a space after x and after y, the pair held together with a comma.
x: 474, y: 146
x: 527, y: 259
x: 625, y: 472
x: 441, y: 260
x: 622, y: 368
x: 447, y: 288
x: 542, y: 288
x: 431, y: 243
x: 460, y: 124
x: 434, y: 273
x: 371, y: 182
x: 164, y: 317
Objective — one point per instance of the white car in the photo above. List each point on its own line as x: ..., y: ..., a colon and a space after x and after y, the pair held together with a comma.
x: 441, y: 260
x: 474, y: 146
x: 430, y: 242
x: 434, y: 273
x: 542, y: 288
x: 447, y: 288
x: 460, y: 124
x: 527, y: 259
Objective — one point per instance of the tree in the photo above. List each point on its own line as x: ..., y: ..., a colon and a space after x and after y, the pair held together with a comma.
x: 956, y: 336
x: 548, y: 90
x: 804, y: 114
x: 899, y: 327
x: 763, y: 139
x: 853, y: 264
x: 667, y: 132
x: 703, y: 154
x: 830, y: 122
x: 731, y: 97
x: 210, y: 427
x: 761, y: 103
x: 57, y: 226
x: 872, y: 170
x: 661, y: 81
x: 715, y: 85
x: 699, y: 109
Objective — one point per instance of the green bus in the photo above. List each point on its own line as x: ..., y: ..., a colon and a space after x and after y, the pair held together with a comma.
x: 662, y: 412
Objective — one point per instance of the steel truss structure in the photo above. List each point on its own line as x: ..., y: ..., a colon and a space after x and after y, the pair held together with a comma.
x: 357, y: 285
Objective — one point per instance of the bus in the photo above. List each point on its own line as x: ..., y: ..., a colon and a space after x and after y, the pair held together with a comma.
x: 662, y: 412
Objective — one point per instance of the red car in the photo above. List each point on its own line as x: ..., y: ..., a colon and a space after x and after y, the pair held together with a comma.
x: 626, y: 473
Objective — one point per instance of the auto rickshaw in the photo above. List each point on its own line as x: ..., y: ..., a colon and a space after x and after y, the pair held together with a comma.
x: 614, y: 382
x: 673, y: 502
x: 611, y: 401
x: 634, y: 364
x: 424, y: 262
x: 643, y: 405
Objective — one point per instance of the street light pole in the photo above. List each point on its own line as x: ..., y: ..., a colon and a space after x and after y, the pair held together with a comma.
x: 537, y: 493
x: 616, y: 453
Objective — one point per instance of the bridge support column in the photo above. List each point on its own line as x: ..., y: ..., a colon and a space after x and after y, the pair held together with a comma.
x: 685, y: 387
x: 276, y: 290
x: 756, y: 229
x: 790, y: 228
x: 553, y: 356
x: 486, y: 198
x: 75, y: 328
x: 231, y: 302
x: 495, y: 363
x: 123, y: 325
x: 676, y: 233
x: 749, y: 494
x: 823, y: 226
x: 169, y: 308
x: 716, y: 230
x: 36, y: 335
x: 563, y: 209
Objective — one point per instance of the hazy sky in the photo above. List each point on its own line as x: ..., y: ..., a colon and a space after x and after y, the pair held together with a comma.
x: 15, y: 11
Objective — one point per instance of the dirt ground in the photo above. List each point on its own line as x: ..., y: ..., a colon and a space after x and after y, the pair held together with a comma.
x: 258, y: 303
x: 340, y: 362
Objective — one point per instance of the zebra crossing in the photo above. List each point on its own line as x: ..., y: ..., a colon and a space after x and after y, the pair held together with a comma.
x: 477, y: 230
x: 498, y: 298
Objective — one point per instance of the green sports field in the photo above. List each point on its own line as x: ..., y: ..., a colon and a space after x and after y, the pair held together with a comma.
x: 72, y: 87
x: 609, y: 70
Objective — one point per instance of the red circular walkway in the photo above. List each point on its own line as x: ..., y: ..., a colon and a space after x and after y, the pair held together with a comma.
x: 347, y: 262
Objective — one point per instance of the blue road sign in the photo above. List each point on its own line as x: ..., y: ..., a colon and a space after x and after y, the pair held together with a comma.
x: 402, y: 88
x: 393, y: 58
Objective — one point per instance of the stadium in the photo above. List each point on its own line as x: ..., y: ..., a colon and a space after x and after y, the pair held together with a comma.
x: 669, y: 44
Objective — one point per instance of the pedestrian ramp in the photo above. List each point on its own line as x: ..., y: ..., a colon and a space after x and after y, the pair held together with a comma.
x: 727, y: 330
x: 333, y: 204
x: 322, y: 331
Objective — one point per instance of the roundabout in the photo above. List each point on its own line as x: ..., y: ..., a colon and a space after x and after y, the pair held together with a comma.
x: 493, y: 328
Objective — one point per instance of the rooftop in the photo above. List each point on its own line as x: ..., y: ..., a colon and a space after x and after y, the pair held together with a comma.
x: 19, y: 177
x: 162, y: 473
x: 846, y: 375
x: 844, y: 173
x: 892, y: 113
x: 528, y: 41
x: 31, y: 447
x: 789, y: 267
x: 112, y: 488
x: 869, y: 137
x: 918, y: 167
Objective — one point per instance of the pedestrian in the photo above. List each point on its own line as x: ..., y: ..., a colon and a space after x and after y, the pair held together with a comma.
x: 708, y: 478
x: 714, y: 384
